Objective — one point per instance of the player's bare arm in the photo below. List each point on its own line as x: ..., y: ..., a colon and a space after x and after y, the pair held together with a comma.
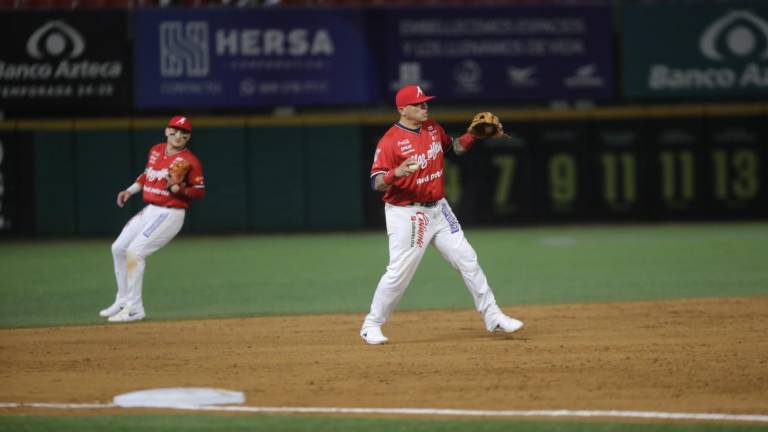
x: 123, y: 195
x: 406, y: 168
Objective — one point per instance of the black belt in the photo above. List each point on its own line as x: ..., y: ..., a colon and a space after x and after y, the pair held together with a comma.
x: 424, y: 204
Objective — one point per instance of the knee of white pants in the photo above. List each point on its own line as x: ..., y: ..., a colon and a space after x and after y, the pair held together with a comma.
x: 134, y: 254
x: 118, y: 249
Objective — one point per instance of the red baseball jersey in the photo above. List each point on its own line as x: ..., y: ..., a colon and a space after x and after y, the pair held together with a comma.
x: 427, y: 144
x: 154, y: 179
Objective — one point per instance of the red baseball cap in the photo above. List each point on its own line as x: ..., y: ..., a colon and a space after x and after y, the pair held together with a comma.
x: 180, y: 122
x: 411, y: 94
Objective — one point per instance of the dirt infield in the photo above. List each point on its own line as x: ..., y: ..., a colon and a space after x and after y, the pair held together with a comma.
x: 708, y: 355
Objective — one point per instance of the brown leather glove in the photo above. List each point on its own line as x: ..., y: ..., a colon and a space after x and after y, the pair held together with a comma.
x: 485, y: 125
x: 177, y: 172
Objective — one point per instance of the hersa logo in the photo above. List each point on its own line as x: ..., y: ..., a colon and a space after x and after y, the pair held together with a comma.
x: 184, y: 49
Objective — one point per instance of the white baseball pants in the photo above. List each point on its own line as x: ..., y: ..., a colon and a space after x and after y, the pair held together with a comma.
x: 149, y: 230
x: 410, y: 230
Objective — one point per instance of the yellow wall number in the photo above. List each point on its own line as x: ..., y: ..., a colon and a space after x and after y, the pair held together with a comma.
x: 736, y: 174
x: 619, y: 177
x: 505, y: 164
x: 562, y: 179
x: 677, y: 176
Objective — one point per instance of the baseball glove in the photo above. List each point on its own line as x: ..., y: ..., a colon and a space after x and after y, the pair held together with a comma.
x: 486, y: 125
x: 177, y: 172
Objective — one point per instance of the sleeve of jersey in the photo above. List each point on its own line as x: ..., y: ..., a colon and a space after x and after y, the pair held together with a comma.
x: 383, y: 160
x: 195, y: 181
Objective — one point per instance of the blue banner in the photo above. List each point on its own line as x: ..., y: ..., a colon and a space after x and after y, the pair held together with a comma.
x: 505, y: 55
x: 240, y: 58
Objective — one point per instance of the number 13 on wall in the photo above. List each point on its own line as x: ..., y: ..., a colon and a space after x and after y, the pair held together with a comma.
x: 736, y: 174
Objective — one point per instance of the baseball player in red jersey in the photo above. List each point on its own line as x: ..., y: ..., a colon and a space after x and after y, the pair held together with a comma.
x: 408, y: 167
x: 159, y: 222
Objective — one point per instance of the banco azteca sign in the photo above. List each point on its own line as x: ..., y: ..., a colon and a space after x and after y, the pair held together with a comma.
x: 63, y: 57
x: 56, y: 51
x: 737, y: 37
x: 715, y: 51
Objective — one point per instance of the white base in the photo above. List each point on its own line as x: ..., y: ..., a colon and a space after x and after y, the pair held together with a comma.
x: 178, y: 397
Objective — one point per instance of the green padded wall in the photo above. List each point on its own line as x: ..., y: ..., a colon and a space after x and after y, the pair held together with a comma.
x: 258, y: 178
x: 103, y: 161
x: 225, y: 206
x: 335, y: 177
x: 55, y: 193
x: 277, y: 176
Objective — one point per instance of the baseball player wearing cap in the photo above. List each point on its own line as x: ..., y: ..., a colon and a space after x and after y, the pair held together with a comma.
x: 159, y: 222
x: 408, y: 167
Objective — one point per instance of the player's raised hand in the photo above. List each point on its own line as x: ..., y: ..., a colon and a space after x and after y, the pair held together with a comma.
x: 122, y: 197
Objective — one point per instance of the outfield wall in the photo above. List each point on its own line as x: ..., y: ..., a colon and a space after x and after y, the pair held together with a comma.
x: 310, y: 172
x: 280, y: 177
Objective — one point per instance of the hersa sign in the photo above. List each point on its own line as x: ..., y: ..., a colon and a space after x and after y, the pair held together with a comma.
x: 274, y: 42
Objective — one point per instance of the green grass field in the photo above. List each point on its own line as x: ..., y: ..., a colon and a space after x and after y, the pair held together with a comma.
x: 64, y: 282
x: 169, y: 423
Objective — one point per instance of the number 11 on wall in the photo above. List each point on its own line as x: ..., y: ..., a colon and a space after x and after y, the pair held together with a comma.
x: 677, y: 177
x: 619, y: 178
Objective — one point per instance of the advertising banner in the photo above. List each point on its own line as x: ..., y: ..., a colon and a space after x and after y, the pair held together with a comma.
x: 669, y: 52
x: 504, y: 55
x: 236, y: 58
x: 64, y: 62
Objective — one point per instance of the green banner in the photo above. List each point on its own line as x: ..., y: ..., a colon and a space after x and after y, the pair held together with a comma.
x: 695, y: 51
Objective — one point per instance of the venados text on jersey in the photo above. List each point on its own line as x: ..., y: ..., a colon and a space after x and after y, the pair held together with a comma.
x: 153, y: 174
x: 434, y: 149
x: 429, y: 178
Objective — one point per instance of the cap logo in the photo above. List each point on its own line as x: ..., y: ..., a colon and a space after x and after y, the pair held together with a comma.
x: 181, y: 121
x: 419, y: 92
